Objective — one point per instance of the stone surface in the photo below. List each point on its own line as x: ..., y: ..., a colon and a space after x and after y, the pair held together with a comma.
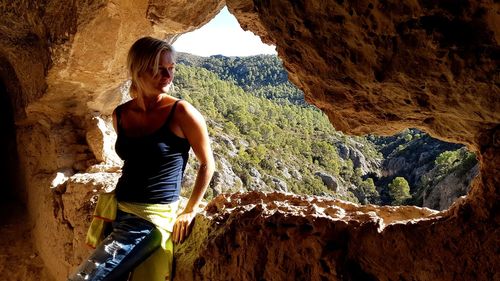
x: 278, y: 236
x: 181, y: 16
x: 101, y: 138
x: 224, y: 179
x: 353, y: 152
x: 330, y: 181
x: 449, y: 189
x: 371, y: 66
x: 78, y: 200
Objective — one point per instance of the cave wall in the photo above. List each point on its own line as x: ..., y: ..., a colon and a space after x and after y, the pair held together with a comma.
x: 371, y: 66
x: 63, y: 66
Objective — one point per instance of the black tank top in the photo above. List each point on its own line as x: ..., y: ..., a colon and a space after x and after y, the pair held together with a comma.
x: 153, y: 164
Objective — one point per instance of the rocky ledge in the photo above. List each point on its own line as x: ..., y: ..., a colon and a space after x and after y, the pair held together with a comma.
x: 278, y: 236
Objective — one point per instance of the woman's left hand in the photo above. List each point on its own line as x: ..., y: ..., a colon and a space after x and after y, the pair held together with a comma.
x: 182, y: 226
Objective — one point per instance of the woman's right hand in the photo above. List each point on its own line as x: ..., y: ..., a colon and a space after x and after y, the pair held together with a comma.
x: 182, y: 226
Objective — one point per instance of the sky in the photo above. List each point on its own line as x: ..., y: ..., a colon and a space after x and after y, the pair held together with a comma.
x: 222, y: 36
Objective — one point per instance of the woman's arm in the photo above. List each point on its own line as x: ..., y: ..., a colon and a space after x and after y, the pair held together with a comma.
x: 194, y: 128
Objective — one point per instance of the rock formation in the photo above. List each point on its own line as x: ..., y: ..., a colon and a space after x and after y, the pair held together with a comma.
x: 449, y: 189
x: 372, y: 66
x: 278, y: 236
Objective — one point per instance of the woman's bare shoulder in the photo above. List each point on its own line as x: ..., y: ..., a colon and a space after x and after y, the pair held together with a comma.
x: 124, y: 106
x: 184, y: 107
x: 188, y: 114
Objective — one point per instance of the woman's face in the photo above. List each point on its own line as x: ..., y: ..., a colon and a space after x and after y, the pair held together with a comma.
x: 156, y: 84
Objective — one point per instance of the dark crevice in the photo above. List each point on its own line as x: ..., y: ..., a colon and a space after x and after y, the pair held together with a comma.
x: 11, y: 183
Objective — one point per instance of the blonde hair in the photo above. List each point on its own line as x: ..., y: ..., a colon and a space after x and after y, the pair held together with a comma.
x: 145, y: 54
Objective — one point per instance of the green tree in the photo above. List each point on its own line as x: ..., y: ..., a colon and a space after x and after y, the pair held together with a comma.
x: 447, y: 158
x: 370, y: 191
x: 399, y: 190
x: 230, y: 128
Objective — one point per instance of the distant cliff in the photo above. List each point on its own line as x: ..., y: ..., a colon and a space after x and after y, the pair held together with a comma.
x: 437, y: 172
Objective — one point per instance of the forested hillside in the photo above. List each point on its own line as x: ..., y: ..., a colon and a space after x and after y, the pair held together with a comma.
x: 266, y: 138
x: 261, y: 75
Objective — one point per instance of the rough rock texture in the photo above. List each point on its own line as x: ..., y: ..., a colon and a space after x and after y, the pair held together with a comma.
x: 372, y: 66
x: 279, y: 236
x: 178, y: 17
x: 382, y: 66
x: 275, y: 236
x: 78, y: 201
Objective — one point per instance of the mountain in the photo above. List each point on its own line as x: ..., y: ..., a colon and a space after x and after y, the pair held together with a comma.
x: 262, y: 75
x: 266, y: 138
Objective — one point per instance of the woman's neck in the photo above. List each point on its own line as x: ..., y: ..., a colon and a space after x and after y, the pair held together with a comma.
x: 149, y: 103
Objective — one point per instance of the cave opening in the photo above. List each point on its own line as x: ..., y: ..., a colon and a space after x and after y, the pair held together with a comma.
x: 291, y: 146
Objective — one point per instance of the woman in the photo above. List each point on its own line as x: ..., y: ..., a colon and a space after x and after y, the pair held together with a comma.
x: 155, y: 132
